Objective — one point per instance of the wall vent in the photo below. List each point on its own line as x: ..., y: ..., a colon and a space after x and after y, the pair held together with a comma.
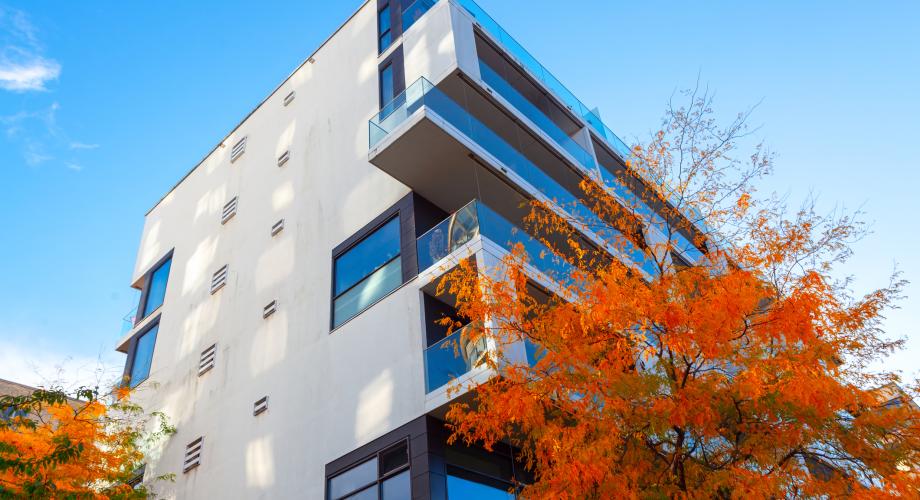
x: 260, y: 406
x: 207, y: 359
x: 238, y: 149
x: 284, y: 158
x: 229, y: 210
x: 219, y: 279
x: 278, y: 227
x: 289, y: 98
x: 193, y: 454
x: 270, y: 309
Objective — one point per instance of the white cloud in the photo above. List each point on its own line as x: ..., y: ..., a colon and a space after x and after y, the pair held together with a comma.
x: 33, y: 365
x: 73, y: 166
x: 23, y: 66
x: 82, y: 145
x: 32, y: 74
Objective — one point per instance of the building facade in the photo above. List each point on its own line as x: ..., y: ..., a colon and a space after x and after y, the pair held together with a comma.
x: 286, y: 310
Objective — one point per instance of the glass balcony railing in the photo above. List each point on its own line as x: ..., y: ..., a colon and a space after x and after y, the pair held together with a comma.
x: 541, y: 73
x: 451, y: 358
x: 456, y: 355
x: 127, y: 322
x: 535, y: 115
x: 423, y: 94
x: 477, y: 219
x: 414, y: 11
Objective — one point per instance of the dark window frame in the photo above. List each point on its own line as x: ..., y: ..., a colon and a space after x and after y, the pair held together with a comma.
x: 381, y: 476
x: 381, y: 33
x: 404, y: 211
x: 132, y: 351
x: 145, y: 292
x: 395, y: 61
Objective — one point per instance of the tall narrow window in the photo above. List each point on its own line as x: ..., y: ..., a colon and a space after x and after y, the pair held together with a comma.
x: 387, y: 86
x: 156, y: 288
x: 366, y: 272
x: 384, y: 25
x: 143, y: 355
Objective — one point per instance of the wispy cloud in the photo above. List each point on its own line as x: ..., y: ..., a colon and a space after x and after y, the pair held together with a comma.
x: 82, y: 145
x: 23, y: 65
x: 39, y: 366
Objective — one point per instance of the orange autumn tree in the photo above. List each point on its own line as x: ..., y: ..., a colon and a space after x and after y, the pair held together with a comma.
x: 720, y: 356
x: 80, y: 445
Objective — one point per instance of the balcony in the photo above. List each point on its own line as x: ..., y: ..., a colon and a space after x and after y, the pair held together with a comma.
x: 533, y: 66
x: 478, y: 220
x: 447, y: 154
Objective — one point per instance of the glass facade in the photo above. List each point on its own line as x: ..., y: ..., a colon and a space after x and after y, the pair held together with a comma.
x: 143, y: 355
x: 156, y: 288
x: 366, y: 272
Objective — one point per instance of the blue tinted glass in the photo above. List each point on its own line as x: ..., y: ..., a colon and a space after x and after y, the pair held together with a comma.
x: 396, y: 488
x: 354, y: 478
x: 143, y: 355
x: 384, y: 19
x: 156, y: 291
x: 386, y: 85
x: 367, y: 256
x: 367, y: 292
x: 464, y: 489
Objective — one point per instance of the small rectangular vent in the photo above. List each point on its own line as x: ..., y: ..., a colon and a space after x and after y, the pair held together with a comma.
x: 238, y: 149
x: 219, y: 279
x: 193, y: 454
x: 270, y: 309
x: 229, y: 210
x: 208, y: 357
x: 289, y: 98
x: 260, y: 406
x: 278, y: 227
x: 284, y: 158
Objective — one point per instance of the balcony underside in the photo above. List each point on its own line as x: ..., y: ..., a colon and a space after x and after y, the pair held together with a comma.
x: 428, y: 155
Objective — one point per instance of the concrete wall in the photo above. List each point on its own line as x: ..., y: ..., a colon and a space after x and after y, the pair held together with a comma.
x: 328, y: 392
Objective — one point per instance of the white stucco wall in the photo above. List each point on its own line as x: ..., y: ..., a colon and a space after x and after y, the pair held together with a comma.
x: 329, y: 393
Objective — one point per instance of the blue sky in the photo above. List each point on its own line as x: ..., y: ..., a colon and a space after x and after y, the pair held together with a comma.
x: 104, y: 106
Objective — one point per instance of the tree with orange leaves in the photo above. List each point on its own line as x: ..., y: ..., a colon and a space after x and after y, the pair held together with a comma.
x: 716, y: 355
x: 84, y: 445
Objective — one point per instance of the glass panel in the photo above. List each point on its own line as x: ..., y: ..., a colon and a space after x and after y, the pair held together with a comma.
x: 143, y: 356
x: 535, y: 114
x: 383, y: 28
x: 365, y: 293
x: 367, y: 256
x: 387, y: 86
x: 368, y: 494
x: 451, y: 358
x: 413, y: 12
x: 464, y: 489
x: 423, y: 93
x: 393, y: 459
x: 449, y: 235
x: 397, y: 487
x: 353, y: 479
x: 156, y: 290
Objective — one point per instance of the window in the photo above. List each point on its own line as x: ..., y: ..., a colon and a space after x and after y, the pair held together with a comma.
x: 366, y: 272
x: 384, y: 28
x: 383, y: 477
x: 387, y: 86
x: 143, y: 355
x: 156, y: 288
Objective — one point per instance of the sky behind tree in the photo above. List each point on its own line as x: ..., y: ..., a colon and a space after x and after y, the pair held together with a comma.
x: 104, y: 106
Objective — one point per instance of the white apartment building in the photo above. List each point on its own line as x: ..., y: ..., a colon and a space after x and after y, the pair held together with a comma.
x: 285, y: 323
